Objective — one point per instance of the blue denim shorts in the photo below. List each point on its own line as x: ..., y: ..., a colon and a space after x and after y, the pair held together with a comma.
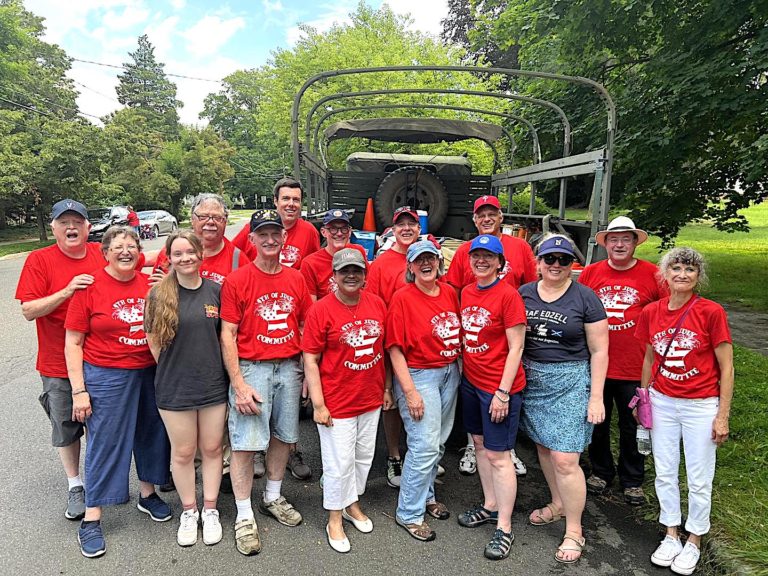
x: 278, y: 382
x: 476, y: 403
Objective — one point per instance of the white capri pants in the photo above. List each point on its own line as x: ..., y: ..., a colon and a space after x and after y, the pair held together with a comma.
x: 347, y: 450
x: 690, y: 419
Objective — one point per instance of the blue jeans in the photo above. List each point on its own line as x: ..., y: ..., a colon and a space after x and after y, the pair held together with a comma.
x: 426, y: 438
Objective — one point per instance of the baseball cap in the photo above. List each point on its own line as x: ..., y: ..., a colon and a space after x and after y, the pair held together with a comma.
x: 348, y: 257
x: 421, y: 247
x: 556, y: 244
x: 405, y: 210
x: 621, y: 224
x: 335, y: 214
x: 487, y: 242
x: 486, y: 201
x: 265, y: 218
x: 68, y: 205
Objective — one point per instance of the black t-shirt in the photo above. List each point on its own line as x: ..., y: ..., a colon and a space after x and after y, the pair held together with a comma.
x: 555, y: 330
x: 190, y: 372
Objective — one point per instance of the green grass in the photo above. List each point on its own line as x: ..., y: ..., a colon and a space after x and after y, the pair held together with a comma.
x: 16, y: 247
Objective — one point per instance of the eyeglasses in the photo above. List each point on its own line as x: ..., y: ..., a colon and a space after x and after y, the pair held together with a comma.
x: 119, y: 249
x: 424, y: 258
x: 337, y: 230
x: 482, y: 255
x: 563, y: 260
x: 206, y: 217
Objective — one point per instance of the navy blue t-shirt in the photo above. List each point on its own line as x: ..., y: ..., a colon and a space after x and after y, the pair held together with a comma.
x: 555, y: 330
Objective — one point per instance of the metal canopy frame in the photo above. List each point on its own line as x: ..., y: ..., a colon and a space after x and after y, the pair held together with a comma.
x: 601, y: 166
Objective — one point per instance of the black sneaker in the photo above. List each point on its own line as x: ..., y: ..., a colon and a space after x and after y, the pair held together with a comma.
x: 394, y: 471
x: 157, y: 509
x: 499, y: 546
x: 169, y: 486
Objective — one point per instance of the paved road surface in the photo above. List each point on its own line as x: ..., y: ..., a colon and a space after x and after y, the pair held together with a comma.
x: 37, y: 539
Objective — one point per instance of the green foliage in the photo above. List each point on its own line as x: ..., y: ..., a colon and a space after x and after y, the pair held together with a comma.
x: 689, y: 80
x: 521, y: 202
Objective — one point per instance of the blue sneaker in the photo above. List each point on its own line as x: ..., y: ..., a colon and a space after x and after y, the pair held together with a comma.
x: 157, y: 509
x: 91, y: 540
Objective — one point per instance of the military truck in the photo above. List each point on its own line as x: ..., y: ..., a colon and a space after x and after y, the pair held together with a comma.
x: 445, y: 186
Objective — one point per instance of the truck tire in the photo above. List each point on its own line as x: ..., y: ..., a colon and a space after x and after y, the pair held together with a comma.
x: 413, y: 186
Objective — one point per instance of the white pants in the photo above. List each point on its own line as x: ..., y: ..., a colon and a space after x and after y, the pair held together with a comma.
x: 347, y: 449
x: 690, y: 419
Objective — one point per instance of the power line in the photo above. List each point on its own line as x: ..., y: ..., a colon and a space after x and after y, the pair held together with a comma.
x: 97, y: 92
x: 121, y: 67
x: 52, y: 103
x: 12, y: 103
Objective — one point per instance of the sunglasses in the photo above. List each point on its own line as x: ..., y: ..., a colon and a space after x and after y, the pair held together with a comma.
x: 550, y: 259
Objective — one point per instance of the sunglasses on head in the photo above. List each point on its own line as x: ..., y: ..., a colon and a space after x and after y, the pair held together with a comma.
x: 563, y: 260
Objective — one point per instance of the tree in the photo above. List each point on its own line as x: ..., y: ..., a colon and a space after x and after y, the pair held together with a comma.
x: 689, y: 79
x: 145, y: 87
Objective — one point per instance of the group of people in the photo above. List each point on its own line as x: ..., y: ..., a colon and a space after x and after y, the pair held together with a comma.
x: 212, y: 354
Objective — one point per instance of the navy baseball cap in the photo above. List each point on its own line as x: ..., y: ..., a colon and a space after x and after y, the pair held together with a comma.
x: 335, y: 214
x: 556, y: 245
x: 68, y: 205
x: 265, y: 218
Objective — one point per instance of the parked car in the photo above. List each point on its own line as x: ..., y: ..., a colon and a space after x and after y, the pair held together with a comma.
x: 103, y: 218
x: 158, y: 221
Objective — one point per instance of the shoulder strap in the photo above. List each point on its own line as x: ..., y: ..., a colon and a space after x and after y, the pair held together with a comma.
x: 674, y: 335
x: 235, y: 258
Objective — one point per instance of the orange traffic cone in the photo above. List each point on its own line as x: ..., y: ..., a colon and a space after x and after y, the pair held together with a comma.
x: 369, y: 222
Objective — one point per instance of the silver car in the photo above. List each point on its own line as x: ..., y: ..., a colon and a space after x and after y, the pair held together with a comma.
x: 159, y: 221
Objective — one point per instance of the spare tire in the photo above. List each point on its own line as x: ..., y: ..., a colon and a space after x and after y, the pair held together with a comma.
x: 415, y: 187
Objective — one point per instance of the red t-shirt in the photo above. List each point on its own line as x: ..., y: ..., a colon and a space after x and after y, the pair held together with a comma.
x: 45, y: 272
x: 133, y: 219
x: 519, y: 266
x: 485, y: 317
x: 317, y: 271
x: 624, y: 294
x: 352, y: 348
x: 387, y: 275
x: 111, y: 315
x: 426, y: 328
x: 690, y: 368
x: 269, y: 309
x: 215, y: 267
x: 300, y: 241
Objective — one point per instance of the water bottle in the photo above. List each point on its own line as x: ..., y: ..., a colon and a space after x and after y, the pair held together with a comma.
x: 643, y: 440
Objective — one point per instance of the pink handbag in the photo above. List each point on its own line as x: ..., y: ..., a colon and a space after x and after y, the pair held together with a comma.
x: 642, y: 400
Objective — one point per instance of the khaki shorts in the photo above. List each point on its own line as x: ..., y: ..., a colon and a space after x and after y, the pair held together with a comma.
x: 56, y: 400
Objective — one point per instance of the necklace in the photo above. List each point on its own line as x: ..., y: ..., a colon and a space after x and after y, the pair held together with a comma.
x: 351, y: 310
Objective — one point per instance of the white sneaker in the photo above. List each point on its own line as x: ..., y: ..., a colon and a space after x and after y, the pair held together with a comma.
x: 211, y: 527
x: 685, y: 562
x: 468, y: 462
x: 440, y: 471
x: 187, y: 534
x: 520, y: 469
x: 667, y: 551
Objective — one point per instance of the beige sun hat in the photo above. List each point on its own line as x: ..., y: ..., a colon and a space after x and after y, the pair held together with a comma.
x: 621, y: 224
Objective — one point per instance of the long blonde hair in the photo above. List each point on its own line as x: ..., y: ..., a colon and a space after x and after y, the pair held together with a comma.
x: 161, y: 316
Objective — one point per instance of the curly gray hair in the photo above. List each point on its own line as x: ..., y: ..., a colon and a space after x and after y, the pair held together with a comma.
x: 688, y: 256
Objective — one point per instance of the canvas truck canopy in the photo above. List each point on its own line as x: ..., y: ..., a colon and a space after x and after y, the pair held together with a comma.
x: 413, y: 130
x: 386, y: 162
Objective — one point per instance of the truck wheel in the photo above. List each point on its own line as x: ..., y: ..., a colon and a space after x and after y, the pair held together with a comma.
x: 415, y: 187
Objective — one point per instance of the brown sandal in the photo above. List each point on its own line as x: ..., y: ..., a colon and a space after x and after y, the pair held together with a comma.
x: 421, y: 532
x: 577, y: 546
x: 438, y: 510
x: 537, y: 517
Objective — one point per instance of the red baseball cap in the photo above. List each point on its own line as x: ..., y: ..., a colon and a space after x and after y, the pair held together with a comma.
x: 405, y: 210
x: 486, y: 201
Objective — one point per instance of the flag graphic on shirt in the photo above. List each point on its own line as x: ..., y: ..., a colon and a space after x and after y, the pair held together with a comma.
x: 361, y: 336
x: 289, y: 255
x: 275, y: 312
x: 616, y: 300
x: 474, y: 319
x: 684, y: 342
x: 446, y: 326
x: 130, y: 311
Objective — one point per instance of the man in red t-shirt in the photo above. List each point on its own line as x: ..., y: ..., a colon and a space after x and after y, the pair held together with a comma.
x: 48, y: 280
x: 625, y: 285
x: 386, y: 277
x: 317, y: 267
x: 519, y: 268
x: 133, y: 219
x: 301, y: 237
x: 263, y: 306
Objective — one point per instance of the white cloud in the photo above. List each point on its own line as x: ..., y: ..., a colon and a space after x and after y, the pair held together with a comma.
x: 65, y: 17
x: 330, y: 14
x: 178, y: 4
x: 210, y: 33
x: 128, y: 18
x: 161, y: 32
x: 275, y: 6
x: 426, y: 14
x: 193, y: 92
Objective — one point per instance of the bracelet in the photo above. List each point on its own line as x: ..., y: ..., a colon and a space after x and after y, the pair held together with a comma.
x: 505, y: 392
x: 81, y: 391
x: 388, y: 390
x: 501, y: 399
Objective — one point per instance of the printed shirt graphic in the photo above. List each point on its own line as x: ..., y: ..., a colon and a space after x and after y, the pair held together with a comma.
x: 555, y: 330
x: 268, y: 309
x: 690, y: 369
x: 214, y: 267
x: 485, y: 317
x: 45, y: 272
x: 519, y: 266
x: 426, y: 328
x: 317, y: 271
x: 387, y: 275
x: 352, y: 353
x: 111, y: 315
x: 624, y: 294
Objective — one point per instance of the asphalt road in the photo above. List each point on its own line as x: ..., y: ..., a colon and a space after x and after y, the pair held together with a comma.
x: 37, y: 539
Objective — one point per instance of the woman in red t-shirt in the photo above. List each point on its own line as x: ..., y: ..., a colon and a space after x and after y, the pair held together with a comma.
x: 343, y: 345
x: 112, y: 374
x: 493, y: 320
x: 689, y: 366
x: 423, y: 343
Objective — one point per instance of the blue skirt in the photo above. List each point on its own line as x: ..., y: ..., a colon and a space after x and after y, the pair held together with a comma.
x: 555, y: 402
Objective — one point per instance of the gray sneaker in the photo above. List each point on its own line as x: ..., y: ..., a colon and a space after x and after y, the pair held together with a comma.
x: 282, y: 511
x: 298, y: 468
x: 75, y: 503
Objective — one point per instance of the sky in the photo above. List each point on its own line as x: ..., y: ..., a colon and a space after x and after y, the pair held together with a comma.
x: 196, y: 38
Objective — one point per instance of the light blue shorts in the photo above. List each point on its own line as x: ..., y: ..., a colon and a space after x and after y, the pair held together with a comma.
x: 278, y: 382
